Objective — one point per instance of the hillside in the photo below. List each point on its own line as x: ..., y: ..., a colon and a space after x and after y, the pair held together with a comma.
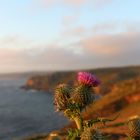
x: 109, y: 78
x: 122, y: 100
x: 120, y: 91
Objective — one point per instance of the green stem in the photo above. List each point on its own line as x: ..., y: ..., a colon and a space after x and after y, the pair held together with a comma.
x: 79, y: 122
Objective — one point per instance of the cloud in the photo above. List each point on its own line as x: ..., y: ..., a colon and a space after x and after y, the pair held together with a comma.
x: 100, y: 3
x: 47, y: 3
x: 114, y: 49
x: 70, y: 20
x: 75, y: 2
x: 54, y: 58
x: 77, y: 31
x: 95, y: 51
x: 106, y: 27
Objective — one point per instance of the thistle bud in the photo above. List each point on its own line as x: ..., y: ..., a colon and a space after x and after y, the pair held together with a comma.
x: 134, y: 127
x: 83, y: 95
x: 61, y: 97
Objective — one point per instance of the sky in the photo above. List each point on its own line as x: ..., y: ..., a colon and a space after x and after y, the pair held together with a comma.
x: 45, y: 35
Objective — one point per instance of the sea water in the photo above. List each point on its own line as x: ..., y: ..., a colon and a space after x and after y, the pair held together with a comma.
x: 24, y: 113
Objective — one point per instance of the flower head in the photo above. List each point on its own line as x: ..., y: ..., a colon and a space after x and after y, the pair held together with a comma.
x: 62, y: 94
x: 88, y: 79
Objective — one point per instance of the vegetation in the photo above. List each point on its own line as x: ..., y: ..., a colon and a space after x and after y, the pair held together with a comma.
x: 120, y: 94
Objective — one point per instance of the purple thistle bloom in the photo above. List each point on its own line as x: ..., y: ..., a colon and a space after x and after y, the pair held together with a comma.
x: 88, y: 79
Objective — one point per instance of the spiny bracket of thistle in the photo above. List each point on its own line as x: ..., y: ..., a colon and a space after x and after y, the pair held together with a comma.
x: 61, y: 97
x: 134, y: 128
x: 82, y: 96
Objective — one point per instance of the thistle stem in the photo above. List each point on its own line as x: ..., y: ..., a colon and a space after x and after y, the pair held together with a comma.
x: 79, y: 122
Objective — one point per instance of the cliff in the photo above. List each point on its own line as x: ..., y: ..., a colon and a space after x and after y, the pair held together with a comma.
x: 109, y: 78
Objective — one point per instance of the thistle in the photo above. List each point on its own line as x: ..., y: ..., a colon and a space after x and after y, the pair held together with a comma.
x: 91, y: 134
x: 61, y: 97
x: 134, y: 127
x: 72, y: 102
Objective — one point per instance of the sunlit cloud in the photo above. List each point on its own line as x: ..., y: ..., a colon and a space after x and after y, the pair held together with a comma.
x: 105, y: 27
x: 112, y: 44
x: 75, y: 3
x: 66, y: 2
x: 70, y: 19
x: 96, y: 51
x: 103, y: 1
x: 46, y: 3
x: 77, y: 31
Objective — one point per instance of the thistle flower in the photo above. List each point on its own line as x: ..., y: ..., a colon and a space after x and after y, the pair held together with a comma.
x: 91, y: 134
x: 86, y: 78
x: 134, y: 127
x: 61, y: 97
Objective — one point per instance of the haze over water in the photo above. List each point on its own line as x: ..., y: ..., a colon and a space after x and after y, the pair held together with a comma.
x: 24, y: 113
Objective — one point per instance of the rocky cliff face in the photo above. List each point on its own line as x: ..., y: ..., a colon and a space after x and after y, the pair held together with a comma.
x: 49, y: 81
x: 36, y: 83
x: 109, y: 78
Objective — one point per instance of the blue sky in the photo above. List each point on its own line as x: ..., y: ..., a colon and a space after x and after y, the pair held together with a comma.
x: 40, y: 34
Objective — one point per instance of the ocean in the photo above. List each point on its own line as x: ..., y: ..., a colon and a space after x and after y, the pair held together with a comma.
x: 25, y: 113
